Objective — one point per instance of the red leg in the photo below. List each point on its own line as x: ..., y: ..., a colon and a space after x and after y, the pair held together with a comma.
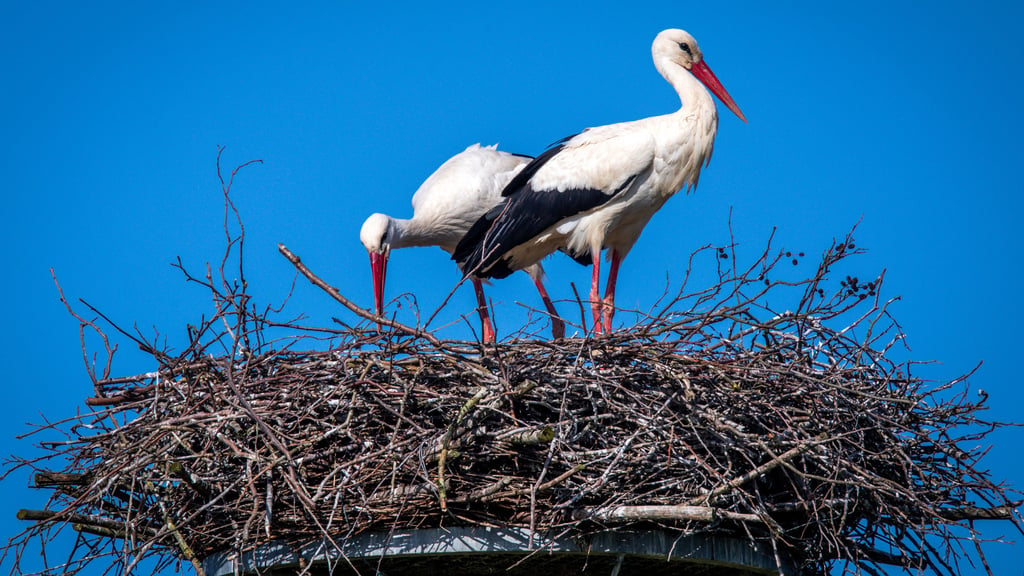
x: 483, y: 310
x: 557, y: 326
x: 595, y: 293
x: 609, y: 291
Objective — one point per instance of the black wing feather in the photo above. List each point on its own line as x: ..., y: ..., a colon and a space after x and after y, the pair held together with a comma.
x: 523, y: 214
x: 519, y: 218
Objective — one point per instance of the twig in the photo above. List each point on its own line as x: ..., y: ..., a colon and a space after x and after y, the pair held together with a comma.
x: 333, y: 293
x: 756, y: 472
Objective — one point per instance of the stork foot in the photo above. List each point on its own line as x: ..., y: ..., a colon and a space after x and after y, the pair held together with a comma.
x: 485, y: 316
x: 598, y: 325
x: 609, y: 313
x: 489, y: 334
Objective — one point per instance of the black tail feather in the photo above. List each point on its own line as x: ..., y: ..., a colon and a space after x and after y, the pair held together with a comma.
x: 469, y: 252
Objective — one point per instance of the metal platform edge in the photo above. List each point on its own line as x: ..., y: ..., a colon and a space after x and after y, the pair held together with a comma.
x: 707, y: 549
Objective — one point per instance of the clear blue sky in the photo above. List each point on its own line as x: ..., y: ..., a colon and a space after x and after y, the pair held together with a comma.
x: 905, y: 116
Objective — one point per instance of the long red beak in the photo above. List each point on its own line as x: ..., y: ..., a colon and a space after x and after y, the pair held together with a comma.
x: 379, y: 269
x: 708, y: 78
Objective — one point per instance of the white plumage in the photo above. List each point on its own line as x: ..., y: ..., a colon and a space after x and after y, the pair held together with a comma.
x: 598, y: 189
x: 444, y: 207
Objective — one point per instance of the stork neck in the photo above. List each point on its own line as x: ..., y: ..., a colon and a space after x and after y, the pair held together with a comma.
x: 693, y: 96
x: 398, y: 236
x: 405, y: 233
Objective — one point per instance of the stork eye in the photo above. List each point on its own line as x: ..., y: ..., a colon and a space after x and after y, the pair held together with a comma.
x: 685, y: 48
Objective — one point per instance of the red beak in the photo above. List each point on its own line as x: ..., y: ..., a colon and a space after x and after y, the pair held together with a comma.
x: 701, y: 71
x: 379, y: 269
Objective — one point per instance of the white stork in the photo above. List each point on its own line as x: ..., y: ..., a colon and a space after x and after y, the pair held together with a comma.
x: 444, y: 207
x: 598, y: 189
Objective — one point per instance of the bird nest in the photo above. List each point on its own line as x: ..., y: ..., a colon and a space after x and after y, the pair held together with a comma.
x: 714, y: 414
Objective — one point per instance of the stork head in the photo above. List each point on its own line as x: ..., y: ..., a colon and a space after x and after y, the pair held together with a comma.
x: 376, y: 237
x: 679, y: 48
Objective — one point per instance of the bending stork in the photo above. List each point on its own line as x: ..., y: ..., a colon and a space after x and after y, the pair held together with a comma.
x: 444, y: 207
x: 599, y: 188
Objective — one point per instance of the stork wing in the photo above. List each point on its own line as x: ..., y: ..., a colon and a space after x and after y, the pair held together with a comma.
x: 577, y: 175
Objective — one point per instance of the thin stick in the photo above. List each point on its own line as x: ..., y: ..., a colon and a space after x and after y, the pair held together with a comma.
x: 334, y: 293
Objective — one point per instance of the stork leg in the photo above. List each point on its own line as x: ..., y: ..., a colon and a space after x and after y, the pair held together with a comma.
x: 595, y: 294
x: 557, y: 326
x: 484, y: 311
x: 609, y: 291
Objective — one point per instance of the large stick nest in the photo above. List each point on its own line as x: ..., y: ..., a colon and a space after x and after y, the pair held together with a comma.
x: 715, y: 413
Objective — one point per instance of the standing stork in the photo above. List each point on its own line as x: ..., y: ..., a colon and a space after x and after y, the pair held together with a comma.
x: 444, y: 207
x: 598, y: 189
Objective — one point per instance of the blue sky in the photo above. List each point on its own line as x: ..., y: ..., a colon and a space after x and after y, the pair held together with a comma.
x: 903, y: 116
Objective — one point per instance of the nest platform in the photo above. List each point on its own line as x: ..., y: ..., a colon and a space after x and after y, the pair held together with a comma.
x: 716, y: 421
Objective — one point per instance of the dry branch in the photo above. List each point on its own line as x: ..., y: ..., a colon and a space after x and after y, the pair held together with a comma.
x: 334, y: 293
x: 677, y: 513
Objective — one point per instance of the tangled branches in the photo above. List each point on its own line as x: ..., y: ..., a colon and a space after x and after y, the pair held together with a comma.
x: 715, y: 414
